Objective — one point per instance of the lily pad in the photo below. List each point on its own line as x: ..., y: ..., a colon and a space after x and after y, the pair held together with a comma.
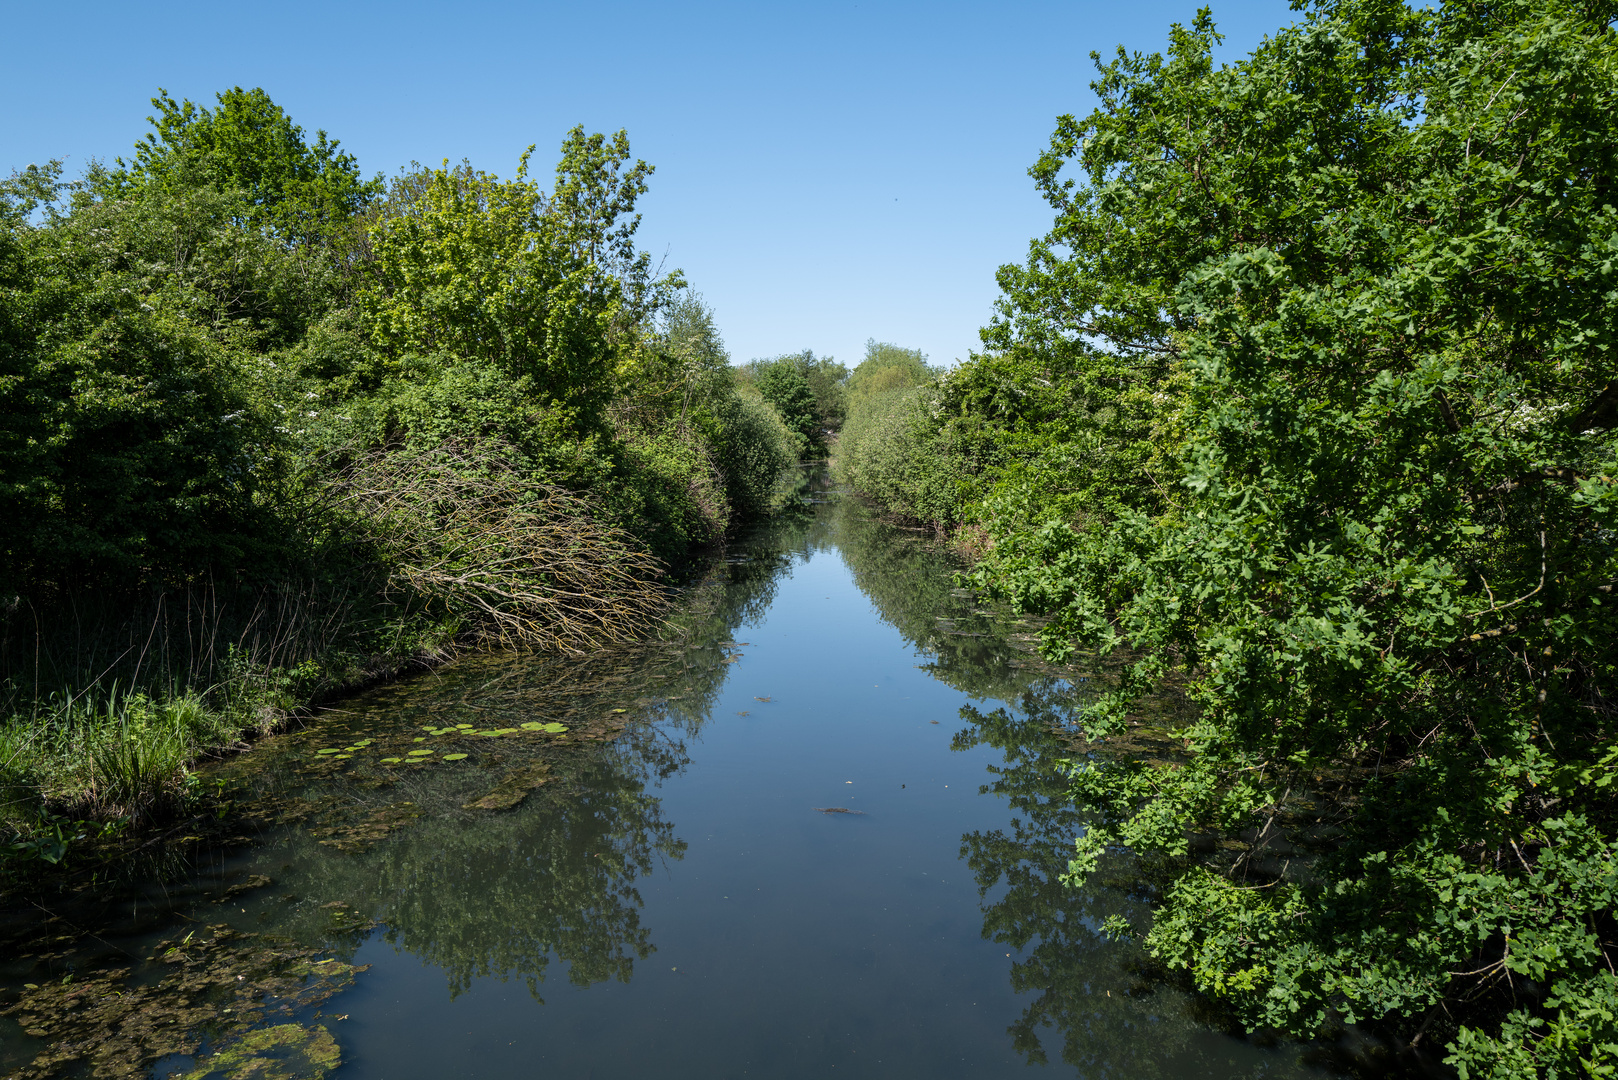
x: 453, y: 757
x: 533, y: 725
x: 391, y: 760
x: 463, y: 726
x: 330, y: 750
x: 554, y: 728
x: 420, y: 753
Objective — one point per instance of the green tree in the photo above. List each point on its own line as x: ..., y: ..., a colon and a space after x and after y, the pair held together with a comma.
x: 751, y: 446
x: 827, y: 381
x: 1368, y: 273
x: 886, y: 368
x: 783, y: 384
x: 469, y: 269
x: 304, y: 193
x: 899, y: 446
x: 136, y: 448
x: 594, y: 203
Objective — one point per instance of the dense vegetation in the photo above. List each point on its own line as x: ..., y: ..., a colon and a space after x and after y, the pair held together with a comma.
x: 891, y: 447
x: 808, y: 392
x: 269, y: 428
x: 1306, y: 405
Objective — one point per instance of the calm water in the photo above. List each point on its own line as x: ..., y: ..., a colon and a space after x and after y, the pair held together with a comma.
x: 675, y: 902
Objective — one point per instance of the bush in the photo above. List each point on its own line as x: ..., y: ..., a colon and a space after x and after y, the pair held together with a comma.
x: 756, y: 453
x: 892, y: 451
x: 462, y: 532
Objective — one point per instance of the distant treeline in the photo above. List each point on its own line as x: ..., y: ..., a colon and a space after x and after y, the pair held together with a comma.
x: 1308, y: 404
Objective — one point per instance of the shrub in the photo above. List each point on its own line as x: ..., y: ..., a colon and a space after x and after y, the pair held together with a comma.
x: 463, y: 532
x: 893, y: 451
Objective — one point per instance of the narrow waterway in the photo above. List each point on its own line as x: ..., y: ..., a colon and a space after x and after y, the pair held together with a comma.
x: 815, y: 831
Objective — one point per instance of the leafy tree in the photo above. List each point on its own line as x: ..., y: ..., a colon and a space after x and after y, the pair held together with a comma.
x: 886, y: 368
x: 899, y: 446
x: 783, y: 384
x: 593, y: 201
x: 470, y: 269
x: 827, y: 381
x: 302, y: 192
x: 135, y: 448
x: 751, y: 446
x: 1356, y: 293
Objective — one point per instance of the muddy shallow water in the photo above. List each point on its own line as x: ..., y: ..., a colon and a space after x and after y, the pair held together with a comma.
x: 813, y: 831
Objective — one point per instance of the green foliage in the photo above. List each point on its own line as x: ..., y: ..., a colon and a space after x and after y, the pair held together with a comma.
x: 897, y: 447
x: 681, y: 390
x: 302, y: 193
x: 889, y: 452
x: 341, y: 431
x: 470, y: 269
x: 807, y: 391
x: 782, y: 384
x: 119, y: 754
x: 887, y: 368
x: 1305, y: 402
x: 132, y: 441
x: 592, y: 203
x: 758, y: 456
x: 827, y: 381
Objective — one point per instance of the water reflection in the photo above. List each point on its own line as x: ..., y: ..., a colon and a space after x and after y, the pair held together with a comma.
x: 481, y: 894
x: 1094, y: 1001
x: 1109, y: 1015
x: 824, y: 940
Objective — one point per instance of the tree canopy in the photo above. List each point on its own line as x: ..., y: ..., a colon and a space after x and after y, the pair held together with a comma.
x: 248, y: 144
x: 1305, y: 406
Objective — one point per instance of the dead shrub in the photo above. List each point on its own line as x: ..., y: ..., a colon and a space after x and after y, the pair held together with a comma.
x: 527, y: 563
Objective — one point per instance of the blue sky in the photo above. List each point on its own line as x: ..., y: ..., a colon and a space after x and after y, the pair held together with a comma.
x: 826, y: 173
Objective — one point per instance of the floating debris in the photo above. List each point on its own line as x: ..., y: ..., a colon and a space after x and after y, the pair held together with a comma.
x: 254, y: 881
x: 224, y: 986
x: 513, y: 788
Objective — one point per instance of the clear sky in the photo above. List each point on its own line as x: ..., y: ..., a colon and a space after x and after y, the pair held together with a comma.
x: 826, y: 173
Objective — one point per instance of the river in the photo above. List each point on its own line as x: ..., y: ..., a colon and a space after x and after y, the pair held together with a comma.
x: 813, y: 831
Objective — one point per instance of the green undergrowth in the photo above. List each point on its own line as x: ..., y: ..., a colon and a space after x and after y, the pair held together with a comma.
x: 111, y: 759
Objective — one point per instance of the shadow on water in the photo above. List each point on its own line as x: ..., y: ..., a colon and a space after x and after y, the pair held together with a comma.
x: 503, y: 819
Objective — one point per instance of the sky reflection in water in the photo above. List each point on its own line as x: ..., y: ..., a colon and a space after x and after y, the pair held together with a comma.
x: 674, y: 904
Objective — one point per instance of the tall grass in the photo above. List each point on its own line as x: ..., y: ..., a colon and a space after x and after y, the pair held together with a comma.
x: 115, y: 755
x: 199, y: 635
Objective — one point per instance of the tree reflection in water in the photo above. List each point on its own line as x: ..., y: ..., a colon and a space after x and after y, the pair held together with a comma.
x: 502, y: 894
x: 478, y: 893
x: 1095, y: 997
x: 1111, y: 1012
